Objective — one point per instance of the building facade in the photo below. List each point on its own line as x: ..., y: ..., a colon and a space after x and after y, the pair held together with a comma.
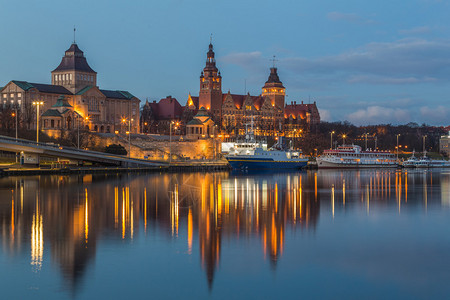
x: 99, y: 110
x: 231, y: 112
x: 268, y: 111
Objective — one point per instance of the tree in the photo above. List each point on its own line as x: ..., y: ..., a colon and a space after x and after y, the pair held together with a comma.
x: 116, y: 149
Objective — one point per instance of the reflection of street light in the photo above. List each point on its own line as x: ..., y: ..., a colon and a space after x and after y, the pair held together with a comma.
x: 331, y: 140
x: 397, y: 144
x: 37, y: 104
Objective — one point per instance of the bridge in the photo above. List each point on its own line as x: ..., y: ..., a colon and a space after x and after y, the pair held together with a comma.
x: 26, y: 147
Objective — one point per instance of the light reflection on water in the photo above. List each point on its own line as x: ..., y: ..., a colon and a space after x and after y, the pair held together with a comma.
x: 71, y: 230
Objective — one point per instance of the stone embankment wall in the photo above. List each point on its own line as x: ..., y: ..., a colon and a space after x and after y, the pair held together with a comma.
x: 158, y: 147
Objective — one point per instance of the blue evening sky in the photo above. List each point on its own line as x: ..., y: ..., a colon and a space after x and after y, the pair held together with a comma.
x: 367, y: 62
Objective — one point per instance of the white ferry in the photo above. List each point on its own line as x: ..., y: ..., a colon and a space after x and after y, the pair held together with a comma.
x: 425, y: 162
x: 351, y: 156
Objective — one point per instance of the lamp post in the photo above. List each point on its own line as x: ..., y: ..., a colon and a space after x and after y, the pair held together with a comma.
x: 397, y: 144
x: 170, y: 141
x: 331, y: 140
x: 424, y: 137
x: 129, y: 134
x: 37, y: 104
x: 366, y: 139
x: 343, y: 137
x: 376, y: 140
x: 78, y: 131
x: 14, y: 114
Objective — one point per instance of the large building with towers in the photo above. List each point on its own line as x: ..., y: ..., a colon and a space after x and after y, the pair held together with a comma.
x: 72, y: 99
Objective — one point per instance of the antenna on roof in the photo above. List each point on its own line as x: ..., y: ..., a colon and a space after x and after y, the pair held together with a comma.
x: 274, y: 60
x: 74, y: 29
x: 210, y: 39
x: 245, y: 86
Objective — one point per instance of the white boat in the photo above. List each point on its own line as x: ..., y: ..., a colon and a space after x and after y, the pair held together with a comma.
x: 247, y: 155
x: 410, y: 162
x: 426, y: 162
x: 250, y: 154
x: 352, y: 156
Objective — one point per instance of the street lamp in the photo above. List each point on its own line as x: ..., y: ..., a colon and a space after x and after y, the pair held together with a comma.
x: 14, y: 114
x: 331, y: 140
x: 129, y: 134
x: 37, y: 104
x: 343, y: 137
x: 170, y: 141
x: 397, y: 144
x: 424, y: 137
x: 366, y: 139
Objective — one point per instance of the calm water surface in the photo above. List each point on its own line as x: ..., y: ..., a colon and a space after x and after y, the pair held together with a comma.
x: 314, y: 235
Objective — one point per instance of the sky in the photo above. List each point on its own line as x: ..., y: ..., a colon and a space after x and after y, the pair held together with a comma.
x: 367, y: 62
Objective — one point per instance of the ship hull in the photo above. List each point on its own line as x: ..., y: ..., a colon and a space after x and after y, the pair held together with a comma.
x: 323, y: 164
x: 254, y: 163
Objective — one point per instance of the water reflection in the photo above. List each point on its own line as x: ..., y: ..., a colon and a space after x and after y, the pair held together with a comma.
x: 70, y: 214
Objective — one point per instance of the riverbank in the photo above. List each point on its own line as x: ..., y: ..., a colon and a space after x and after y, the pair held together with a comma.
x: 187, y: 166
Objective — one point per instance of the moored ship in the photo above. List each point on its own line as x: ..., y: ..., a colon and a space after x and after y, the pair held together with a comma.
x: 352, y: 156
x: 425, y: 162
x: 249, y: 155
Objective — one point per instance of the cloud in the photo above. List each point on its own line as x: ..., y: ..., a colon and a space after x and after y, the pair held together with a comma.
x: 388, y: 80
x: 247, y: 60
x: 348, y: 17
x: 439, y: 114
x: 415, y: 30
x: 325, y: 114
x: 379, y: 115
x: 404, y: 61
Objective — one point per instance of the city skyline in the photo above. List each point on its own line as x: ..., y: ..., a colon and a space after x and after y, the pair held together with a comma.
x: 365, y: 63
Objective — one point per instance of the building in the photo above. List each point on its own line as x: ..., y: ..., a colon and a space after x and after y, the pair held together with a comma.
x: 230, y: 112
x: 444, y: 144
x: 268, y: 111
x: 200, y: 126
x: 100, y: 110
x: 157, y: 116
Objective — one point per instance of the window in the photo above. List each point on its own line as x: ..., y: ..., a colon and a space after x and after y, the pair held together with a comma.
x: 19, y: 95
x: 52, y: 123
x: 70, y: 76
x: 11, y: 95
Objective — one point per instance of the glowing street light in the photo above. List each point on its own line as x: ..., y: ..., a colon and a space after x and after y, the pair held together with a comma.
x: 129, y: 134
x: 332, y: 139
x: 37, y: 104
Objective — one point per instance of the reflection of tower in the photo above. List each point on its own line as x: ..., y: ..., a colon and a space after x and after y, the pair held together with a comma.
x: 210, y: 96
x: 209, y: 230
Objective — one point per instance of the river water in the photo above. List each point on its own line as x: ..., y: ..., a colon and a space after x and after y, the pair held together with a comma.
x: 315, y: 234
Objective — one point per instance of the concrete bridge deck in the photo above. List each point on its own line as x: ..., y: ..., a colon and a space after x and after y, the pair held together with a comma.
x: 52, y: 150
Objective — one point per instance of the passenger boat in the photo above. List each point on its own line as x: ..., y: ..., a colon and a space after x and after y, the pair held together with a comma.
x: 352, y: 156
x: 425, y: 162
